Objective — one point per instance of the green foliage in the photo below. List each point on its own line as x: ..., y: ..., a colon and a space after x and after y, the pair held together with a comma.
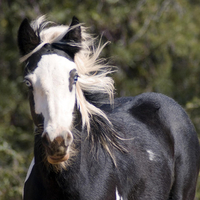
x: 155, y: 44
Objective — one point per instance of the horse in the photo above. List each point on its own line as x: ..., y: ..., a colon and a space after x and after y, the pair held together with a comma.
x: 89, y: 145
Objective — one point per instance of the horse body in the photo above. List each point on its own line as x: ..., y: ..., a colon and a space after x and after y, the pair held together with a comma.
x: 154, y: 166
x: 137, y: 148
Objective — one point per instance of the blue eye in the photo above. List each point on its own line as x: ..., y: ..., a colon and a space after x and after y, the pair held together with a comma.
x: 75, y: 78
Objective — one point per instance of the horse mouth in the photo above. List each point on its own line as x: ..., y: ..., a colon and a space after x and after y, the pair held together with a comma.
x: 57, y: 160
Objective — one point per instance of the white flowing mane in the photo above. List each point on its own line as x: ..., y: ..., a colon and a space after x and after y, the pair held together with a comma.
x: 93, y: 77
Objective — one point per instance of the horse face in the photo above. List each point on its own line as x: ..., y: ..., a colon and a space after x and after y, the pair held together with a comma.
x: 51, y: 75
x: 53, y: 89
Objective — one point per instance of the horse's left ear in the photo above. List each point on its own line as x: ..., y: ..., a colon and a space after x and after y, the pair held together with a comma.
x: 74, y: 33
x: 71, y: 42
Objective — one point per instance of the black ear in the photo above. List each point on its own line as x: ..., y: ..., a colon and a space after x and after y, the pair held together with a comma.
x: 71, y: 42
x: 27, y: 38
x: 73, y: 35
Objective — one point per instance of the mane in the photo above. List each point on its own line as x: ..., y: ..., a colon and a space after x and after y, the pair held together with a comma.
x: 93, y: 74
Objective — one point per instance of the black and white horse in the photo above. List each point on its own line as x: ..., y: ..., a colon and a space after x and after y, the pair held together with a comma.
x: 89, y: 146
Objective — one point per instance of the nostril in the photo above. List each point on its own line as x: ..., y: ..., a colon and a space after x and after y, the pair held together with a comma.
x: 69, y: 138
x: 46, y: 139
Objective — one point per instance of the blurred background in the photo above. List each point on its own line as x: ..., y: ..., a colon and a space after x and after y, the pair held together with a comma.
x: 155, y: 44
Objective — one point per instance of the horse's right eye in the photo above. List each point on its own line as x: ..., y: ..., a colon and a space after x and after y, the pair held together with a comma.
x: 27, y: 82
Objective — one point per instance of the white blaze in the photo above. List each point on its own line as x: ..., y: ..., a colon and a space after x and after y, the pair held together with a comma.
x: 52, y: 96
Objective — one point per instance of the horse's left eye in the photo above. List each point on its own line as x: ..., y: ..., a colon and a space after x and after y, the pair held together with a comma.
x: 75, y: 78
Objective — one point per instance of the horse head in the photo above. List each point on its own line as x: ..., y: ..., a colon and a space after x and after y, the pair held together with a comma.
x: 51, y: 75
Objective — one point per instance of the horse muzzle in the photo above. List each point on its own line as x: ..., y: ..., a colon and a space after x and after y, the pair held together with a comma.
x: 57, y: 151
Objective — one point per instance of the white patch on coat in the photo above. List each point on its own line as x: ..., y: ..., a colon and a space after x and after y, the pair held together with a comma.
x: 30, y: 169
x: 152, y: 155
x: 29, y: 173
x: 52, y: 96
x: 118, y: 197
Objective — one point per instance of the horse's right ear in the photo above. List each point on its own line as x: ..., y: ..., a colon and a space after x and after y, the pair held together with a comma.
x: 27, y: 38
